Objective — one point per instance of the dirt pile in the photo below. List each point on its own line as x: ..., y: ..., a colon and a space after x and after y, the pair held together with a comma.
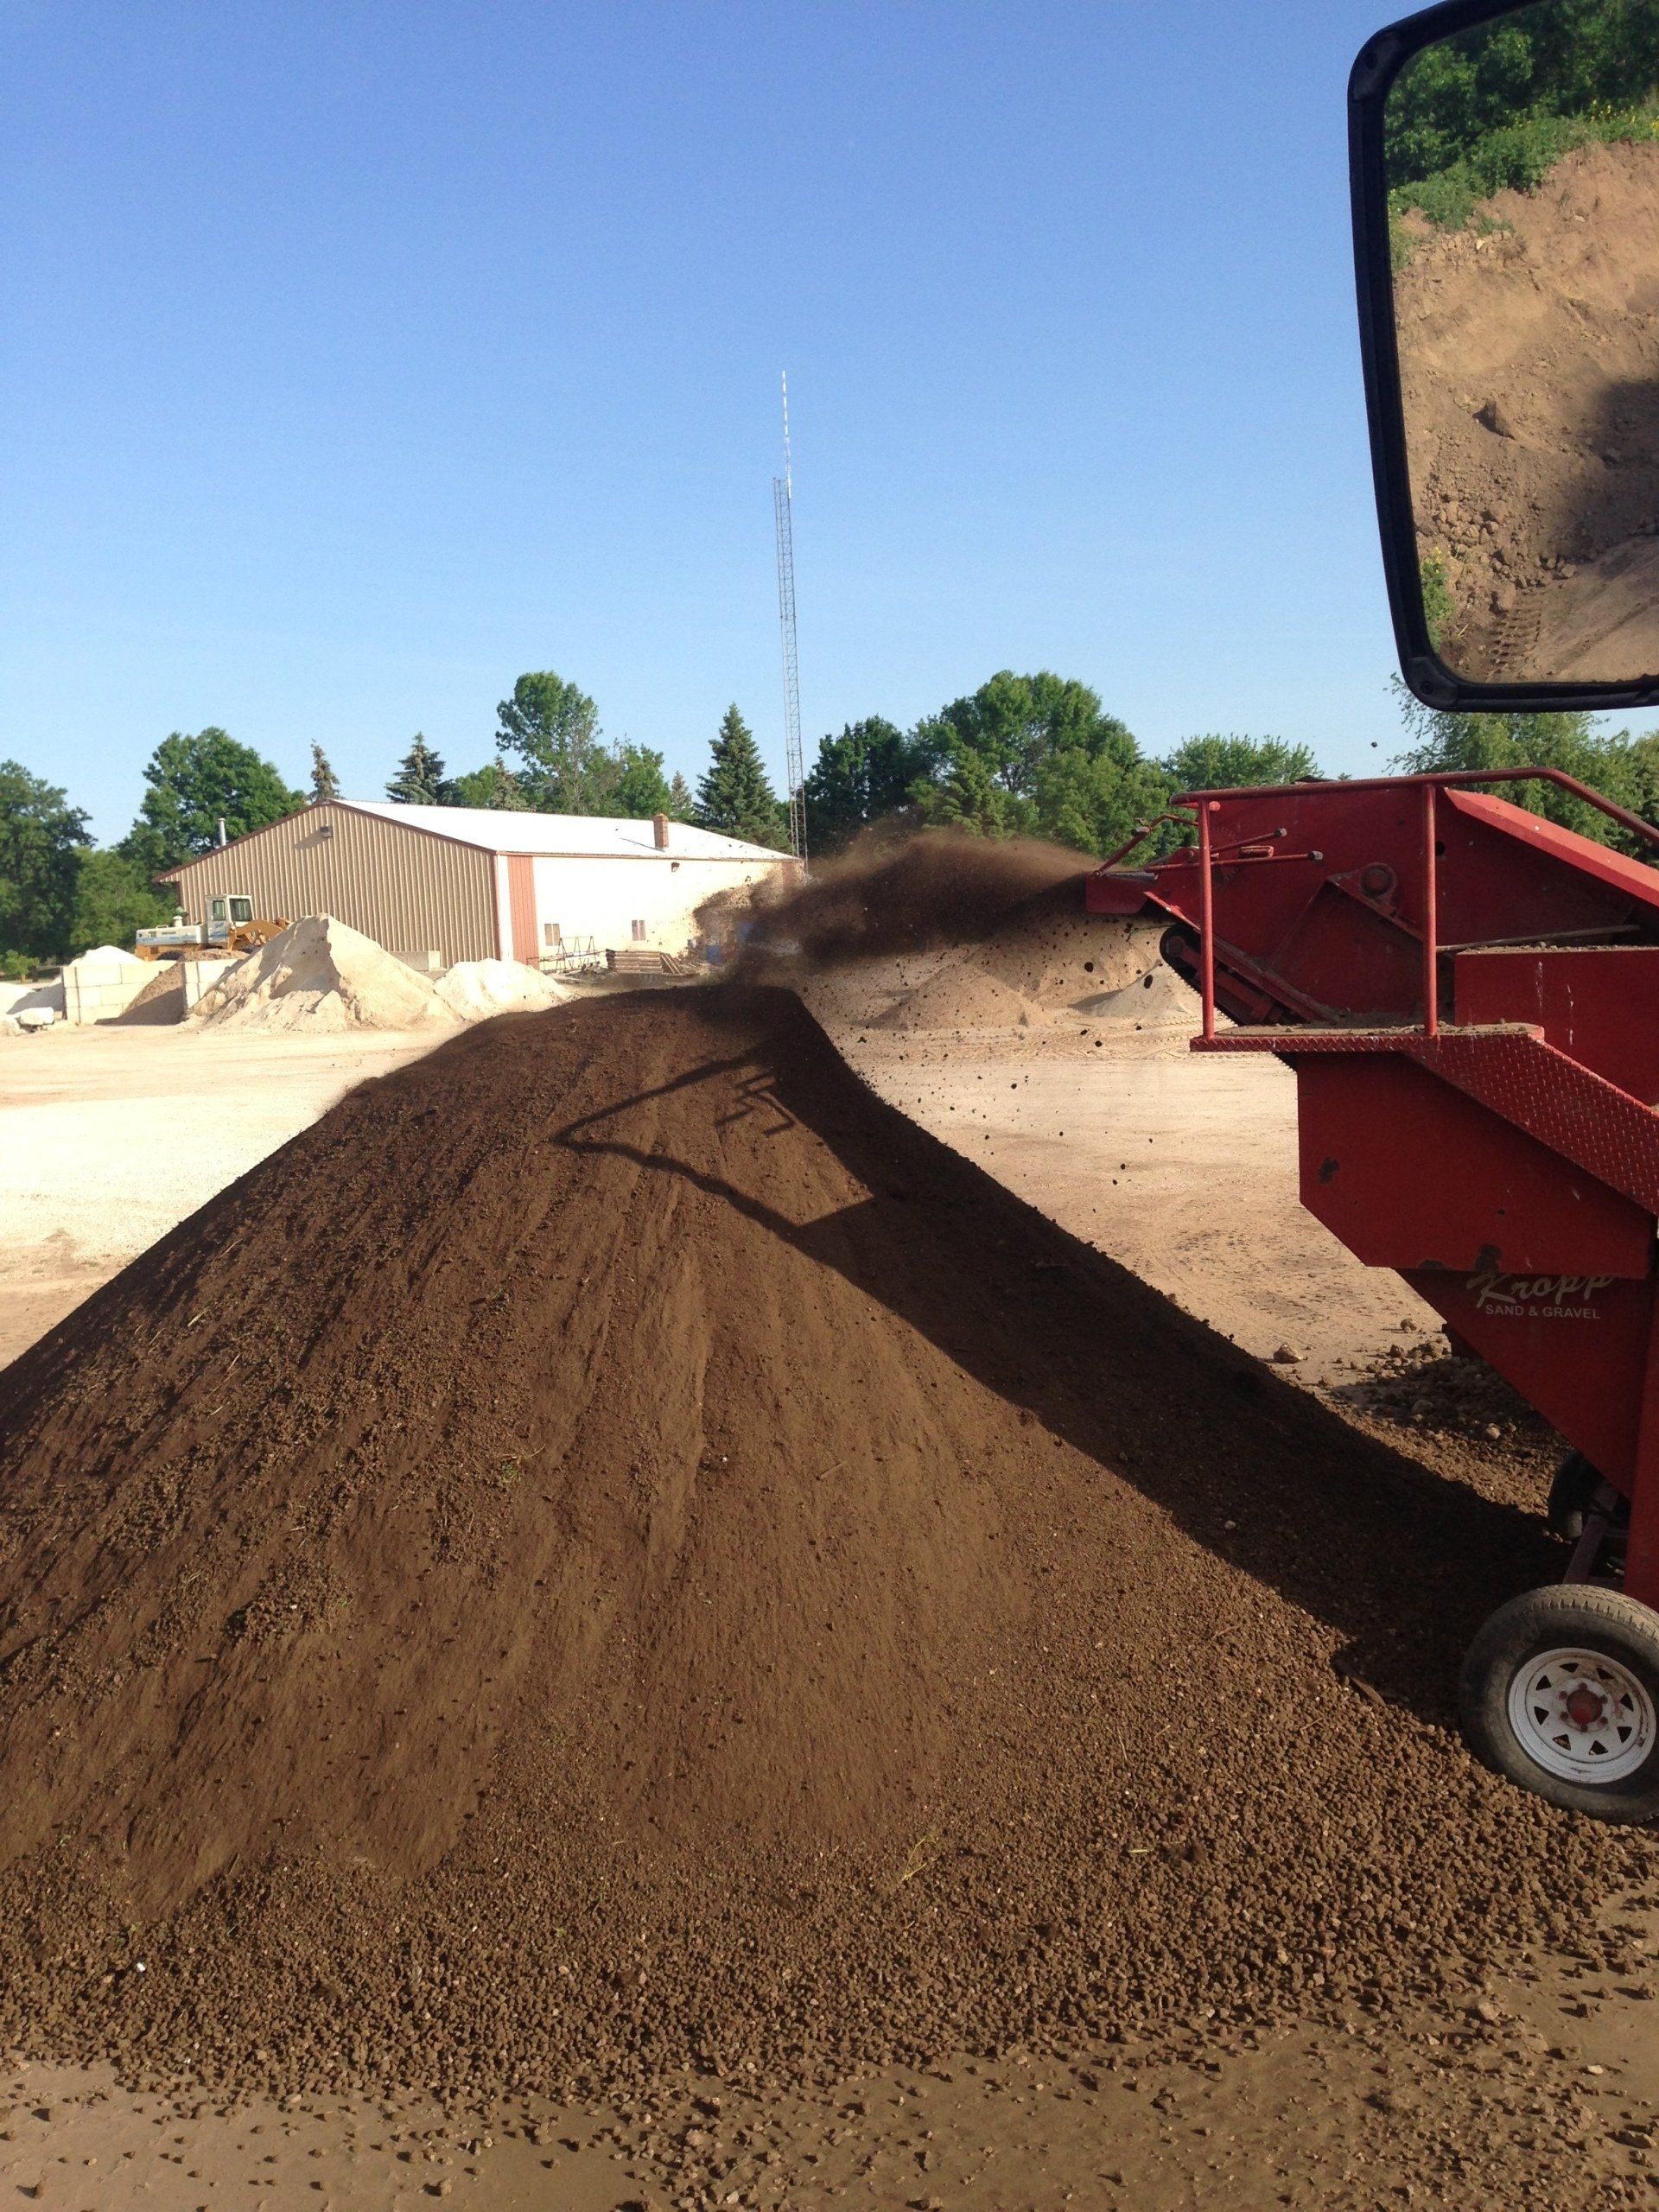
x: 161, y: 1000
x: 475, y: 990
x: 614, y: 1546
x: 319, y: 974
x: 1529, y: 364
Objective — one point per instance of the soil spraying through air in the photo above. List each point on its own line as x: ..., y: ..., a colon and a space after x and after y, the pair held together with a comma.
x: 616, y: 1548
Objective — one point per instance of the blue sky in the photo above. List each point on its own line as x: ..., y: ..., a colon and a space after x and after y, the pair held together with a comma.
x: 361, y: 357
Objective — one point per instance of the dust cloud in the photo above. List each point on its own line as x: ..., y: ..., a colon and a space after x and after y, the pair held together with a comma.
x: 883, y: 897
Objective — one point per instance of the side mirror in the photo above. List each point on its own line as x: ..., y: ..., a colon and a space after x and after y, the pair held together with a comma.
x: 1505, y: 175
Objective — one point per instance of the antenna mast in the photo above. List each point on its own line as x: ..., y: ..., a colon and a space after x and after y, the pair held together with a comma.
x: 783, y: 507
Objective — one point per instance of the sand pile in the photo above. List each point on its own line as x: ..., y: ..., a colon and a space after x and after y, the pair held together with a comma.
x: 475, y: 990
x: 961, y: 995
x: 614, y: 1546
x: 1054, y: 950
x: 1157, y: 1000
x: 320, y: 975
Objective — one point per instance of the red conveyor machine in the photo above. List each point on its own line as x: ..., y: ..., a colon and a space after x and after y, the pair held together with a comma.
x: 1469, y: 996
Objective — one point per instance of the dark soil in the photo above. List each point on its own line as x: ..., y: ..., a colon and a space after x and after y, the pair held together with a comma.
x: 614, y: 1547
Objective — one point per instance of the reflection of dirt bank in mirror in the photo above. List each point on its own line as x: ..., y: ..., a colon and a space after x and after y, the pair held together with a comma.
x: 1530, y: 363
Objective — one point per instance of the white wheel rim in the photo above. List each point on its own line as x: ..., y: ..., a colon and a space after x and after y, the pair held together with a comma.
x: 1582, y: 1716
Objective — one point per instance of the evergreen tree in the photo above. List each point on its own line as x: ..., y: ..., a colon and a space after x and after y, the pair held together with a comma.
x: 493, y: 785
x: 965, y: 793
x: 419, y: 779
x: 859, y: 778
x: 733, y: 795
x: 324, y: 782
x: 681, y: 804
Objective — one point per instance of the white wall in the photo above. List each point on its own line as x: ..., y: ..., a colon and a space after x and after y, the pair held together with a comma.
x: 602, y: 898
x: 98, y: 988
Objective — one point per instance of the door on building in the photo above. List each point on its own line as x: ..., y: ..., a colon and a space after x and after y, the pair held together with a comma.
x: 521, y: 908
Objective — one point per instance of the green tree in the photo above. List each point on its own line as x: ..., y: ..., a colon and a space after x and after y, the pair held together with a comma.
x: 114, y: 900
x: 963, y: 793
x: 681, y: 804
x: 734, y: 796
x: 42, y: 840
x: 324, y: 782
x: 554, y: 728
x: 1213, y: 763
x: 1096, y: 802
x: 1013, y: 722
x: 640, y: 789
x: 419, y: 780
x: 1498, y: 105
x: 494, y: 785
x: 193, y: 785
x: 861, y: 776
x: 1623, y: 768
x: 1033, y: 754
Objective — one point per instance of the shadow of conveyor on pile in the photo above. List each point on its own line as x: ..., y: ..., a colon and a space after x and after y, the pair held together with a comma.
x: 1401, y: 1562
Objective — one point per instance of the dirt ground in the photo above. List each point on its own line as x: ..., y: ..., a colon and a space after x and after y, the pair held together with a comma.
x: 1536, y: 2084
x: 109, y: 1135
x: 1528, y: 371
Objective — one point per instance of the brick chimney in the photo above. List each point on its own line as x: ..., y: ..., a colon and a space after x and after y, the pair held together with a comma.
x: 660, y: 831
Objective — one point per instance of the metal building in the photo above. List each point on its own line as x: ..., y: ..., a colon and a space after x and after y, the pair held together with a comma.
x: 476, y: 883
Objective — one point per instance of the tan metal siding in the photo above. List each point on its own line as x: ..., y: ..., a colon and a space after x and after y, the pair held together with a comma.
x: 408, y: 890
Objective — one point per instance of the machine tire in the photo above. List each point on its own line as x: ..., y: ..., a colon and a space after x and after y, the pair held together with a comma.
x: 1537, y: 1651
x: 1571, y: 1496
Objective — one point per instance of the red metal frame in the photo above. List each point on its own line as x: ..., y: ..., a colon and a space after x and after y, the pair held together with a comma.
x: 1504, y: 1157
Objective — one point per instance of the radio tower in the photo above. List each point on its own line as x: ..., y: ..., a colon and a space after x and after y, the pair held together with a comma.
x: 783, y: 507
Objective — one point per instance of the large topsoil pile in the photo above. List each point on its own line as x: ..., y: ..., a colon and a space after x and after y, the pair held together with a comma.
x: 614, y: 1546
x: 1529, y: 367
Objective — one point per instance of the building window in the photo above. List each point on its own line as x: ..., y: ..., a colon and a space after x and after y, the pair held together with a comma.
x: 639, y: 932
x: 551, y: 933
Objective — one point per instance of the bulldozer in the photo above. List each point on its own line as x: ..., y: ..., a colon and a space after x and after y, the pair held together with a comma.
x: 232, y: 928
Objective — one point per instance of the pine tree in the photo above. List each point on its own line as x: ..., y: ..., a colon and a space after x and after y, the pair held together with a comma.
x: 681, y: 804
x: 419, y: 777
x: 324, y: 782
x: 493, y: 785
x: 733, y: 795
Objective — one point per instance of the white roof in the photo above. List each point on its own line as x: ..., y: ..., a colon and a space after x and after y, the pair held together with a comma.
x: 508, y: 830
